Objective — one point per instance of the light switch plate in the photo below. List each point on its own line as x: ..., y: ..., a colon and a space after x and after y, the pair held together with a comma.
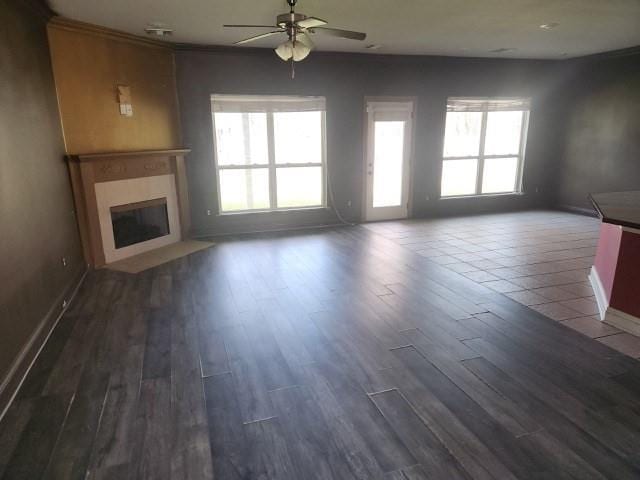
x: 126, y: 109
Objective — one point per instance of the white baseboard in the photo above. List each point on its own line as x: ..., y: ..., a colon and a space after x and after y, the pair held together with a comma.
x: 21, y: 366
x: 598, y: 290
x: 610, y: 315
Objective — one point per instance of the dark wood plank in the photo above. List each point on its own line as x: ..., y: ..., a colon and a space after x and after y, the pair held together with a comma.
x: 383, y: 442
x: 269, y: 445
x: 231, y: 448
x: 157, y: 353
x: 151, y: 455
x: 13, y: 424
x: 519, y: 460
x: 161, y: 291
x: 421, y: 315
x: 274, y: 368
x: 617, y: 438
x: 312, y: 450
x: 190, y: 449
x: 70, y: 458
x: 282, y: 325
x: 248, y: 378
x: 213, y: 354
x: 574, y: 349
x: 40, y: 372
x: 508, y: 414
x: 336, y: 353
x: 117, y: 433
x: 574, y: 440
x: 435, y: 459
x: 594, y: 391
x: 411, y: 473
x: 33, y: 451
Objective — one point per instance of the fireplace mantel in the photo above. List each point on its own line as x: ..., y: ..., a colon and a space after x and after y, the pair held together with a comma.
x: 88, y: 157
x: 88, y: 170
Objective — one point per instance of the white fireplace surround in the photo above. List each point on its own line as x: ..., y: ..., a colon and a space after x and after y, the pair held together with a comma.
x: 121, y: 192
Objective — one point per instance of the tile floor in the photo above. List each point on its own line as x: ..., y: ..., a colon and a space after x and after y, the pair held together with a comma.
x: 538, y: 258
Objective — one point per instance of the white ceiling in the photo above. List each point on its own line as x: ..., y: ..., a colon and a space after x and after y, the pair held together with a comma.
x: 433, y: 27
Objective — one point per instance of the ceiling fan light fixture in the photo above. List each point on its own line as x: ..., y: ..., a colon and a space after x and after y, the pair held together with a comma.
x: 297, y: 51
x: 297, y: 27
x: 158, y: 29
x: 285, y: 50
x: 304, y: 39
x: 300, y: 51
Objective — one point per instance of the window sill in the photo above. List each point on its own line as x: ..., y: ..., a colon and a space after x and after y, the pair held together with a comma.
x: 279, y: 210
x: 488, y: 195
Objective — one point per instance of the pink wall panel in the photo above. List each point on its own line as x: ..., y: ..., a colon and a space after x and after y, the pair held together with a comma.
x: 607, y: 255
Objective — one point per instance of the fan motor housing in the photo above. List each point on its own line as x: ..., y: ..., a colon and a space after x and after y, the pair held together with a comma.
x: 288, y: 19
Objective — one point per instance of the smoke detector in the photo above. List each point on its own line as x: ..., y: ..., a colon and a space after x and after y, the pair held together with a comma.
x: 158, y: 29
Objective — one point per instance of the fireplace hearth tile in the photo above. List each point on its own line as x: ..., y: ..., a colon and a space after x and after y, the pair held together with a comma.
x: 145, y: 261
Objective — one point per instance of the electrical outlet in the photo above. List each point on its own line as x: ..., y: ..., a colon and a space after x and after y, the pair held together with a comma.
x: 208, y: 213
x: 349, y: 203
x: 64, y: 261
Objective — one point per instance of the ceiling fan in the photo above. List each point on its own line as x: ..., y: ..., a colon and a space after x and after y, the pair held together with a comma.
x: 297, y: 27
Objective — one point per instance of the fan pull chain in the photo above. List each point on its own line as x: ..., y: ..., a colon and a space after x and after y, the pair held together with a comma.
x: 293, y: 65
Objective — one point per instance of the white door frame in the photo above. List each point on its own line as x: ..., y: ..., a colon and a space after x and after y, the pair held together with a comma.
x: 392, y: 109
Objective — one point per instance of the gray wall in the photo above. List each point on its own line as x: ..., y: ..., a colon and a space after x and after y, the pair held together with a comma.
x: 601, y: 141
x: 345, y: 80
x: 37, y: 227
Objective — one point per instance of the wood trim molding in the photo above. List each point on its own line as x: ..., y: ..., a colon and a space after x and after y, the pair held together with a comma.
x: 87, y: 157
x: 182, y: 189
x: 26, y: 358
x: 64, y: 23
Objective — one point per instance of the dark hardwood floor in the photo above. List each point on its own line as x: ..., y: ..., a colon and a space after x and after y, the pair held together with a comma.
x: 329, y: 354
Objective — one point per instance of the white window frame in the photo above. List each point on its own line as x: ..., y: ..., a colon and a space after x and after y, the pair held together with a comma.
x: 270, y: 104
x: 484, y: 108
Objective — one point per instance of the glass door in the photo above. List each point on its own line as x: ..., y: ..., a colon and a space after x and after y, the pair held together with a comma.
x: 389, y: 130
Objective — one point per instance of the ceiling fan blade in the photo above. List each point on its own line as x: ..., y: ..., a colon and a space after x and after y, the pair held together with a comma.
x: 250, y: 26
x: 336, y: 32
x: 258, y: 37
x: 311, y: 22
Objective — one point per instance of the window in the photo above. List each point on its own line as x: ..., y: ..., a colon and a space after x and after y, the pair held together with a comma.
x: 484, y: 144
x: 270, y: 152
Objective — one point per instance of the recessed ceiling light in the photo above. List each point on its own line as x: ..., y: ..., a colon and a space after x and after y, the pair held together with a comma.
x: 373, y: 46
x: 549, y: 26
x: 502, y: 50
x: 158, y: 29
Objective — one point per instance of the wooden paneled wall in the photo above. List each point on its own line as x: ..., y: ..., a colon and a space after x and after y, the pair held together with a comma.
x: 89, y: 63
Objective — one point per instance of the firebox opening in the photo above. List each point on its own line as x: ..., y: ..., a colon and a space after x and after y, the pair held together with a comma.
x: 138, y: 222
